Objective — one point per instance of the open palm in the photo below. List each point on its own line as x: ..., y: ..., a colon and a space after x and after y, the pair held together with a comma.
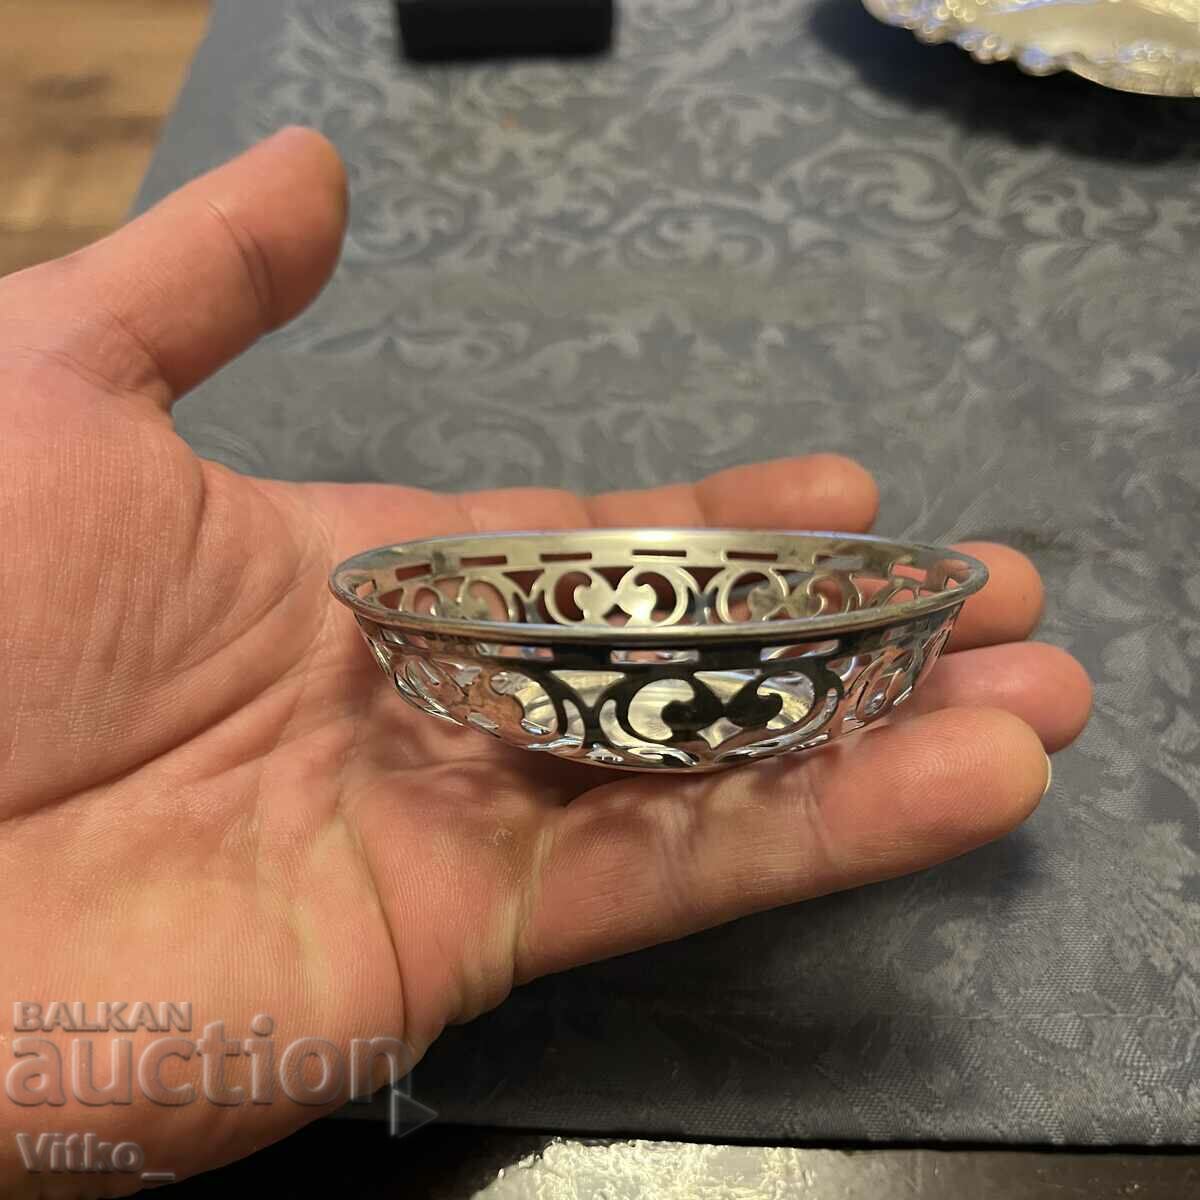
x: 210, y: 794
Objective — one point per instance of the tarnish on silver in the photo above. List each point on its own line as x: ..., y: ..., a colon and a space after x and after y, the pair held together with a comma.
x: 658, y: 649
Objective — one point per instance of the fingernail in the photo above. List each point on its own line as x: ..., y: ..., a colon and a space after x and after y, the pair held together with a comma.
x: 1049, y: 773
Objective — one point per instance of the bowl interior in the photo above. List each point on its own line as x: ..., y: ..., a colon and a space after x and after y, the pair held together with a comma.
x: 596, y: 582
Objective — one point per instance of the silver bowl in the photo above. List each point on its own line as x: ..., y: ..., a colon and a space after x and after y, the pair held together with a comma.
x: 658, y: 649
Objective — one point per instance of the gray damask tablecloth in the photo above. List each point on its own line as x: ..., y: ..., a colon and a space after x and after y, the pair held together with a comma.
x: 765, y: 227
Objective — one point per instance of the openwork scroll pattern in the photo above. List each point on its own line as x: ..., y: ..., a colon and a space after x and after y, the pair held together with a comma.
x: 679, y: 705
x: 662, y: 708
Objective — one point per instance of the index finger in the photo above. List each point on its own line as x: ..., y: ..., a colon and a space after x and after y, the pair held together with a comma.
x: 817, y: 491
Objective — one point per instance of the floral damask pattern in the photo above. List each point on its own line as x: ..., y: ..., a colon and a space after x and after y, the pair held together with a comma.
x: 762, y: 228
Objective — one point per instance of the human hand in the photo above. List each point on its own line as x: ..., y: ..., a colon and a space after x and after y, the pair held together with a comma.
x: 209, y: 793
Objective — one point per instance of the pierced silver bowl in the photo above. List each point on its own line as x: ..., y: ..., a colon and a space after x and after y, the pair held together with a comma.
x: 658, y: 649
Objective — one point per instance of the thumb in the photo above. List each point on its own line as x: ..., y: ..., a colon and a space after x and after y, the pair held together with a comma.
x: 165, y: 301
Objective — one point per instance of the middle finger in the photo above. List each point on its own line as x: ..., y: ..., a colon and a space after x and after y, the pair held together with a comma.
x: 1009, y: 606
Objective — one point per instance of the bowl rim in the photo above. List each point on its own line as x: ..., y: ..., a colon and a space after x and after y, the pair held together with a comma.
x: 541, y: 633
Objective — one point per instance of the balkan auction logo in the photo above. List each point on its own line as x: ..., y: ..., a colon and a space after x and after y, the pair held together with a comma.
x: 310, y: 1071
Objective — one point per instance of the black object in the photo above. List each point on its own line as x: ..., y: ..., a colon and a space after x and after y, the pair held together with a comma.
x: 358, y: 1161
x: 441, y: 30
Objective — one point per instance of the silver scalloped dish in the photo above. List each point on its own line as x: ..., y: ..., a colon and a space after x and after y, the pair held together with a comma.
x: 1148, y: 46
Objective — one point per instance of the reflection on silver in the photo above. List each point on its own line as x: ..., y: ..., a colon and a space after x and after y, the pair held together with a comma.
x: 1150, y: 46
x: 658, y: 649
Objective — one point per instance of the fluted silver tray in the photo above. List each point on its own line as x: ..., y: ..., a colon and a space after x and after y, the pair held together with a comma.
x: 1150, y: 46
